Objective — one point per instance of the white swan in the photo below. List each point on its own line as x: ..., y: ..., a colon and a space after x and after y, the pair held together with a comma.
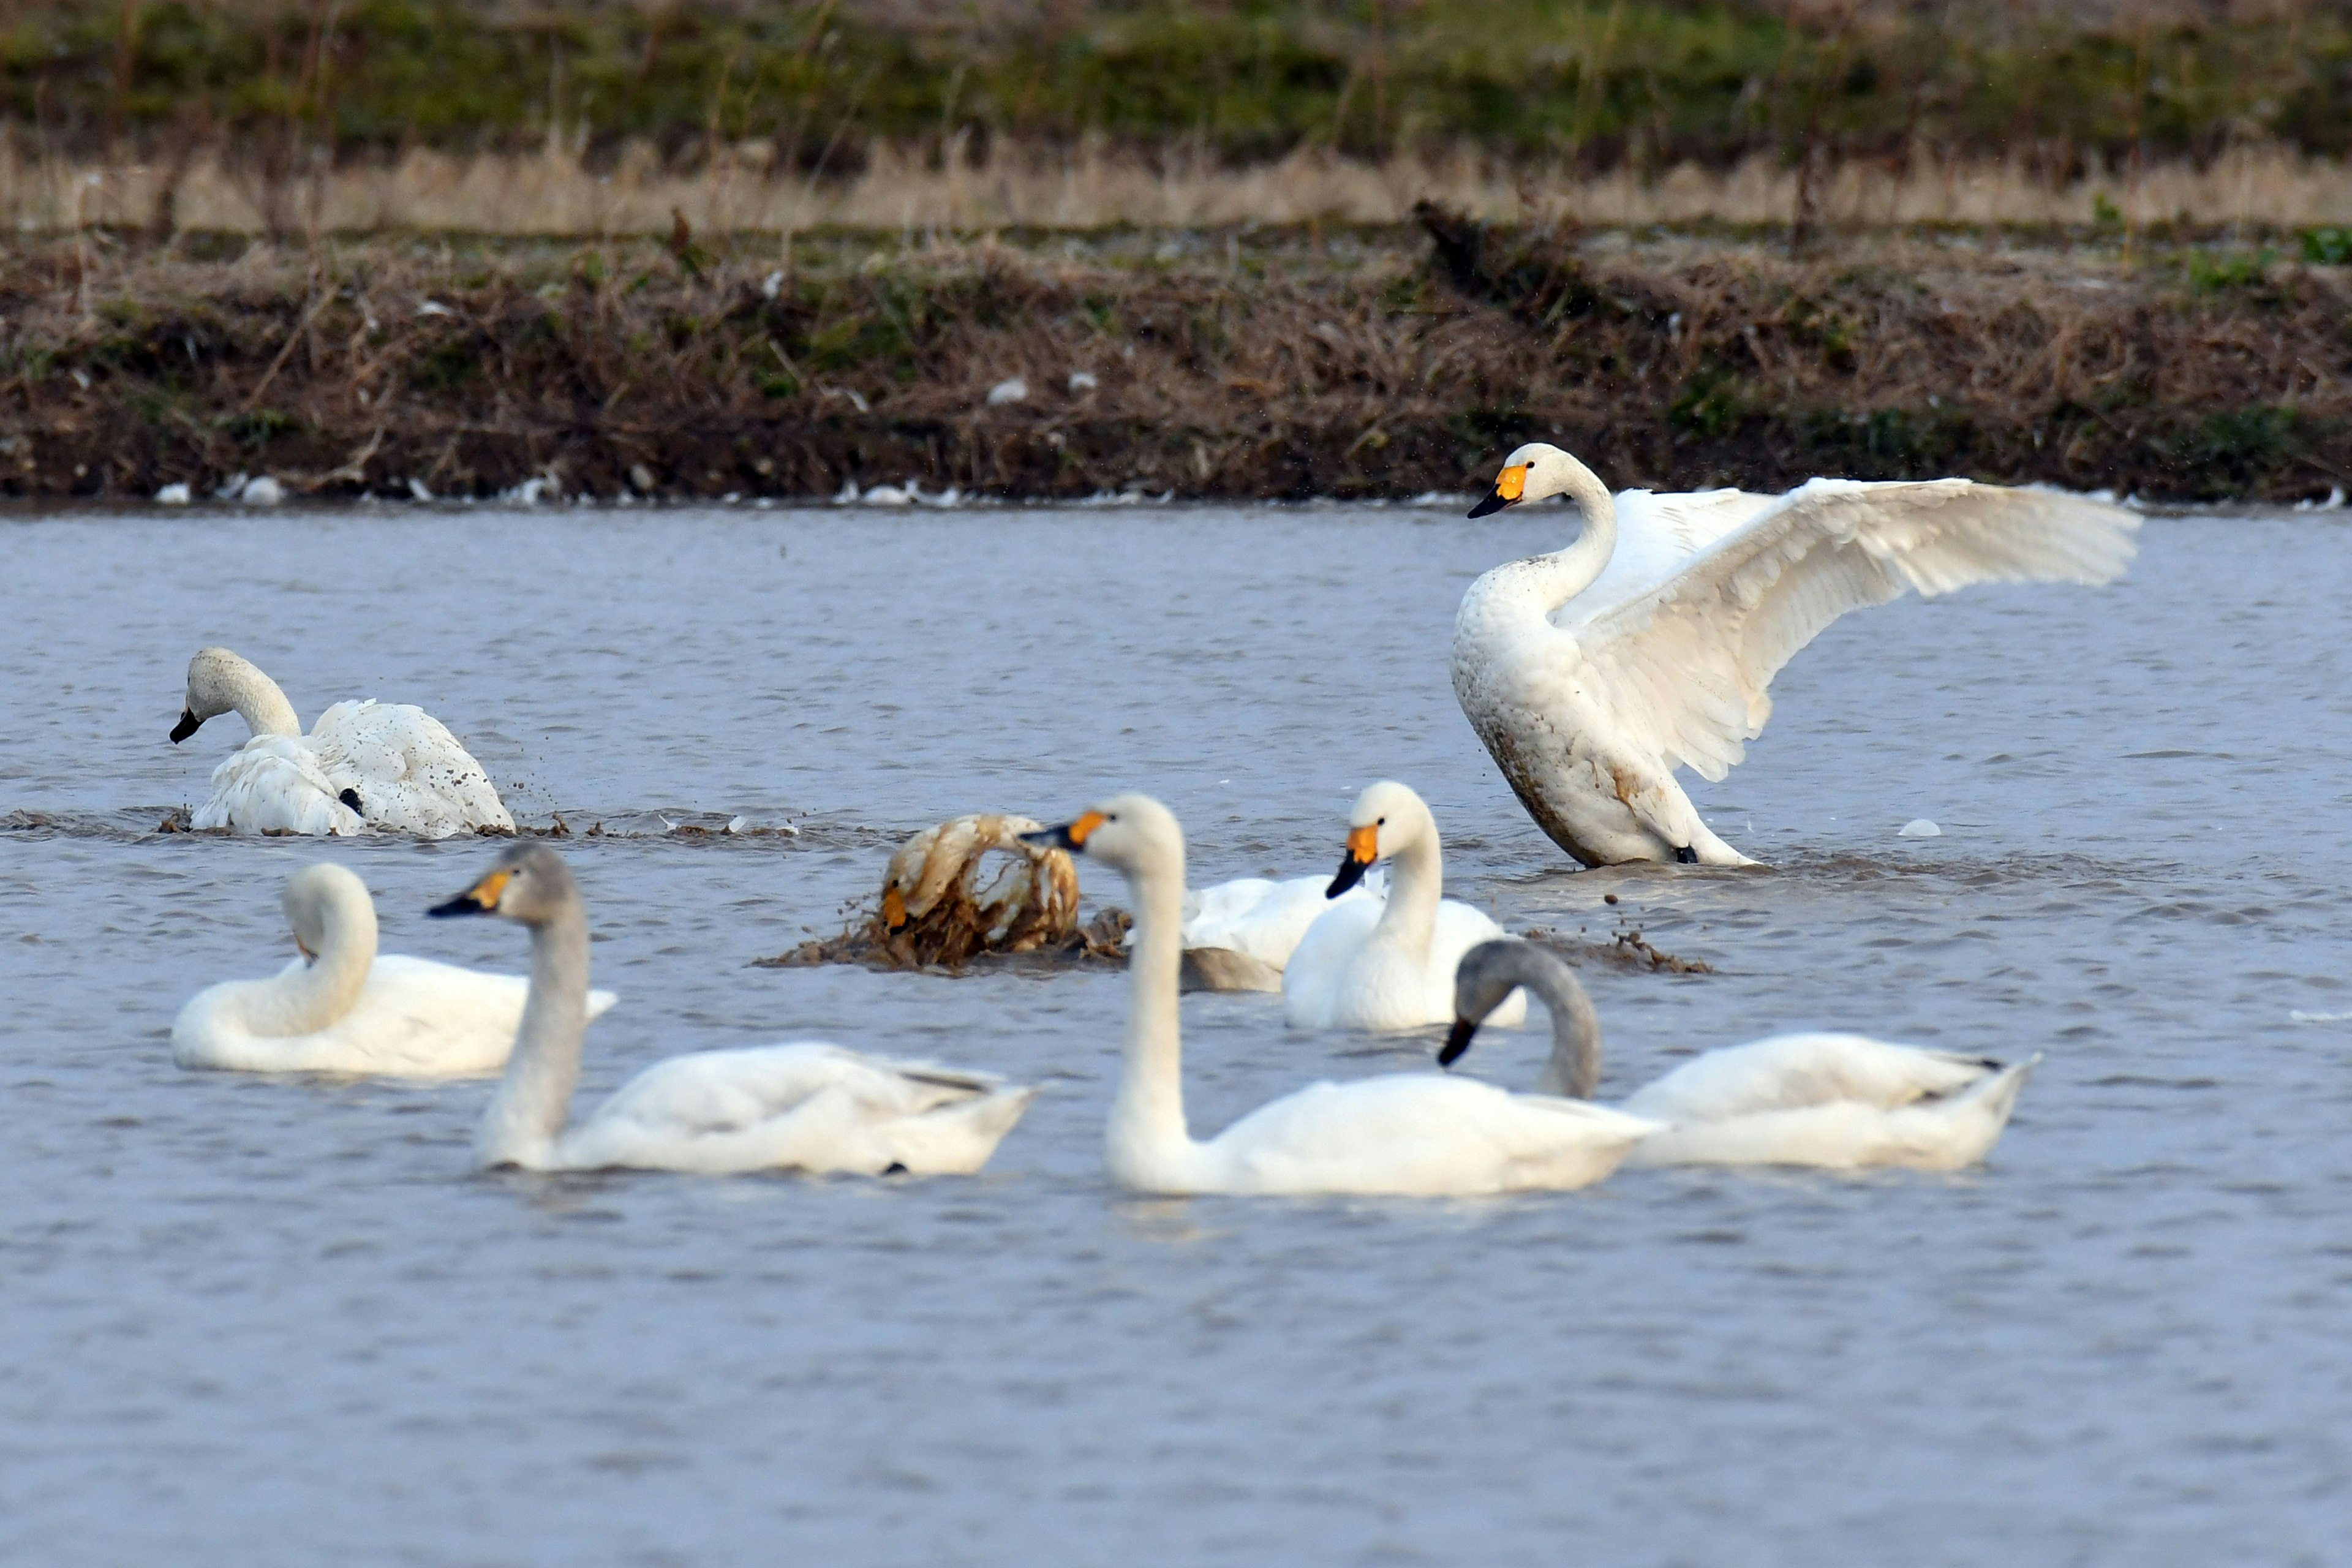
x: 1239, y: 935
x: 342, y: 1007
x: 1839, y: 1101
x: 806, y: 1106
x: 1592, y: 673
x: 381, y: 765
x: 1409, y: 1134
x: 1387, y: 966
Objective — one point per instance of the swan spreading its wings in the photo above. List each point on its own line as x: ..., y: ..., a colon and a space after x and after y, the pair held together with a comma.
x: 1592, y: 673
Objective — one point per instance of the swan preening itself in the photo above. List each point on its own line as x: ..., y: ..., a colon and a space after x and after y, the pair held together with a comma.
x: 1592, y: 673
x: 1839, y: 1101
x: 364, y: 764
x: 342, y: 1007
x: 1387, y: 965
x: 1407, y: 1134
x: 808, y: 1107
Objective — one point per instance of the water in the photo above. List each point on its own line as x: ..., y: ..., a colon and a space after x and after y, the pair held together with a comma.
x: 264, y: 1322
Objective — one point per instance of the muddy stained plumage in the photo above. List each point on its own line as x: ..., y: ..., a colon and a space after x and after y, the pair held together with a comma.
x: 260, y: 1311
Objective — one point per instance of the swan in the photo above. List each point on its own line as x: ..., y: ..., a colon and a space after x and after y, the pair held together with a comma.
x: 1409, y: 1134
x: 1592, y: 673
x: 344, y: 1007
x: 1374, y: 965
x: 380, y: 765
x: 803, y: 1106
x: 1838, y: 1101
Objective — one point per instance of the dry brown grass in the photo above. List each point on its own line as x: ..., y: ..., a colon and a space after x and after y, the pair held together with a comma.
x: 554, y: 194
x: 1266, y: 368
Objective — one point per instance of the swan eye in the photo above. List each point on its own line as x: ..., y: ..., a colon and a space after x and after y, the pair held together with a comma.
x: 1383, y: 822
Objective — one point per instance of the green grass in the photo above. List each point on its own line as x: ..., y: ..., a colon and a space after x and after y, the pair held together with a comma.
x: 1597, y: 80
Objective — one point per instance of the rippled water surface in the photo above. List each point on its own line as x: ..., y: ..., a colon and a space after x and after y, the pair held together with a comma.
x: 259, y: 1322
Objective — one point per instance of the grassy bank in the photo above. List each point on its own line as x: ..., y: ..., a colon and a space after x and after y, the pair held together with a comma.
x: 1378, y: 362
x: 1597, y: 82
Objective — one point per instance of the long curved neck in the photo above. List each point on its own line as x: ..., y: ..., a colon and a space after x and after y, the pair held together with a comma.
x: 308, y: 999
x: 534, y: 1100
x: 1574, y: 1068
x: 1147, y: 1112
x: 1541, y: 583
x: 1416, y: 884
x: 258, y: 701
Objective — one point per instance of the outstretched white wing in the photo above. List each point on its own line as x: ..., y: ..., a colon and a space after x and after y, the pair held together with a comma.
x: 409, y: 773
x: 1682, y: 667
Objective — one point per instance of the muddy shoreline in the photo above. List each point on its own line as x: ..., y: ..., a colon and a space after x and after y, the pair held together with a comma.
x: 1267, y: 364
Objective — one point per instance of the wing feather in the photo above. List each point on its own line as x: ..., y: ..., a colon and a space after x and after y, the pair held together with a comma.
x: 1683, y: 667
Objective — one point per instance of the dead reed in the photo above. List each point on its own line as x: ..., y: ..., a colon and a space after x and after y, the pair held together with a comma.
x: 1273, y: 364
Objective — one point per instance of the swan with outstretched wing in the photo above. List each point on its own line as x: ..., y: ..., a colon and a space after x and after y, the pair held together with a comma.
x: 1648, y: 645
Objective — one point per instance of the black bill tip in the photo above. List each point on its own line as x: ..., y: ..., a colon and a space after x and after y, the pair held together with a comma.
x: 1492, y: 504
x: 1054, y: 838
x: 1351, y: 871
x: 1457, y: 1040
x: 350, y: 797
x: 463, y: 904
x: 188, y: 725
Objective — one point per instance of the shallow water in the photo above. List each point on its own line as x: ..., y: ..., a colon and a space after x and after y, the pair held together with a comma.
x: 254, y: 1322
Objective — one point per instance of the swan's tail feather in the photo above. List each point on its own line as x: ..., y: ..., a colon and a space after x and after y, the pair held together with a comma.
x: 1971, y: 1122
x: 960, y: 1139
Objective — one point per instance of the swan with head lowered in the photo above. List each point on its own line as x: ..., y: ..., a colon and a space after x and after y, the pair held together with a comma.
x: 1837, y: 1102
x: 803, y: 1106
x: 344, y: 1007
x: 1408, y: 1133
x: 1387, y: 965
x: 364, y: 764
x: 1592, y: 673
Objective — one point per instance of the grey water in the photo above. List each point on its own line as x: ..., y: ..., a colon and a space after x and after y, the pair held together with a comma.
x: 285, y: 1322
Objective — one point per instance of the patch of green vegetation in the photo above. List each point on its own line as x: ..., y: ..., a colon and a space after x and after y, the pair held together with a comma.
x: 2327, y: 247
x: 258, y: 427
x: 2230, y: 272
x: 1712, y: 403
x: 2236, y: 443
x: 449, y: 364
x: 1599, y: 81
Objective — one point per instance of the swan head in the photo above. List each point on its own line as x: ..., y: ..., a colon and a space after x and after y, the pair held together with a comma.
x: 1388, y: 816
x: 1485, y: 980
x: 1132, y: 834
x: 1534, y: 472
x: 529, y: 883
x: 218, y: 680
x: 323, y: 903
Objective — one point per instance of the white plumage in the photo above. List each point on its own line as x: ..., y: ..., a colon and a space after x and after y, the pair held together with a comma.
x: 803, y: 1106
x: 1829, y: 1100
x: 344, y: 1007
x: 1594, y: 672
x: 367, y: 763
x: 1388, y: 966
x: 1415, y: 1134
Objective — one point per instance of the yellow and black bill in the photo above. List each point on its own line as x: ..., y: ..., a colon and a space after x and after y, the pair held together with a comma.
x: 1069, y: 835
x: 481, y: 899
x: 1457, y: 1040
x: 1509, y: 486
x: 188, y: 725
x: 1363, y: 848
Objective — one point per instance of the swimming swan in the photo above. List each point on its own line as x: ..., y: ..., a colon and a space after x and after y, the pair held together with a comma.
x: 1839, y: 1101
x: 341, y: 1007
x: 803, y: 1106
x: 1592, y: 673
x: 1408, y: 1133
x: 1388, y: 967
x: 1239, y: 935
x: 381, y: 765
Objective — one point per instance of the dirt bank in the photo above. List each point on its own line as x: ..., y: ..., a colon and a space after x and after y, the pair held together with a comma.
x: 1283, y: 365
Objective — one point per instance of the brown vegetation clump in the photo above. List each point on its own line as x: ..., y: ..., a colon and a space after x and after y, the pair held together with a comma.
x: 1277, y: 363
x: 967, y: 888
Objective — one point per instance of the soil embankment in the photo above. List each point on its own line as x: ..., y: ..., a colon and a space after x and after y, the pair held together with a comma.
x: 1379, y: 364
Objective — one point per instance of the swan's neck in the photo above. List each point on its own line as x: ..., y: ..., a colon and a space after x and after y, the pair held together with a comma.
x: 1574, y: 1068
x: 533, y: 1101
x: 311, y: 998
x: 258, y: 701
x: 1147, y: 1114
x: 1539, y: 585
x: 1416, y: 883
